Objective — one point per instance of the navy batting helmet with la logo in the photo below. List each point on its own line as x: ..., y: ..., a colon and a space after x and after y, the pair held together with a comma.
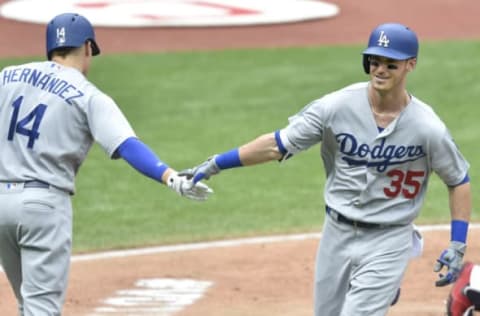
x: 391, y: 40
x: 70, y: 30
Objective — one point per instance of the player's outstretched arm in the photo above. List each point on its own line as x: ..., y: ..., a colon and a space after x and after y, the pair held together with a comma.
x: 452, y: 257
x: 143, y: 159
x: 262, y: 149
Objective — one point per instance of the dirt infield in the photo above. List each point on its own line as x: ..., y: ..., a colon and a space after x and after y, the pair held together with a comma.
x: 266, y: 278
x: 431, y: 19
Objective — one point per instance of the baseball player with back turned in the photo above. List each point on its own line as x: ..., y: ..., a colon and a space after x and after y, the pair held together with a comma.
x: 380, y: 144
x: 50, y: 115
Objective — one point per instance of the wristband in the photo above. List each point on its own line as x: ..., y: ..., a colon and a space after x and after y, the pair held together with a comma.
x: 459, y: 230
x: 229, y: 159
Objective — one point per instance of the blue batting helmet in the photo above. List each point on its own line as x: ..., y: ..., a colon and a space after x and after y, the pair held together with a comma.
x: 70, y: 30
x: 391, y: 40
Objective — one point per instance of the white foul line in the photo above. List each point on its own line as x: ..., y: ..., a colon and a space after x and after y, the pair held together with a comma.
x: 193, y: 246
x: 224, y: 243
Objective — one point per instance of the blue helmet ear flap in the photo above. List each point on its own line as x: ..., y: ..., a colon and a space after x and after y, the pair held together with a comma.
x: 366, y: 64
x: 95, y: 48
x: 70, y: 30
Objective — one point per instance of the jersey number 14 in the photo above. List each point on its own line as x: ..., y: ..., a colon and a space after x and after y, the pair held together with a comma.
x: 21, y: 127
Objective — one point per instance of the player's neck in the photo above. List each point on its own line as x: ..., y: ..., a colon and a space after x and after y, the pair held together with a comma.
x: 390, y: 102
x: 72, y: 62
x: 386, y: 107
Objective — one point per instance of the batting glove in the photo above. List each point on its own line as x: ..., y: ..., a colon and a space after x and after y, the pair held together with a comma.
x: 186, y: 188
x: 202, y: 171
x: 452, y: 258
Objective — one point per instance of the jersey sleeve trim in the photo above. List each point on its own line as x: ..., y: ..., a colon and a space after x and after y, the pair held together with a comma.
x: 280, y: 146
x: 290, y: 148
x: 465, y: 180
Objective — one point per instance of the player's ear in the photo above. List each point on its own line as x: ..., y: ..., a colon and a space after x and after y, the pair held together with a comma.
x: 411, y: 64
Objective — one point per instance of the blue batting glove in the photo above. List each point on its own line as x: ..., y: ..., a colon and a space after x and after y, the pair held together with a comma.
x: 452, y: 259
x: 202, y: 171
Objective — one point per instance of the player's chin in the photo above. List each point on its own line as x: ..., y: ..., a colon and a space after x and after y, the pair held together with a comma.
x: 381, y: 84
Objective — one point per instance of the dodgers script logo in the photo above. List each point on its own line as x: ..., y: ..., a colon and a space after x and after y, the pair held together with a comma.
x: 379, y: 156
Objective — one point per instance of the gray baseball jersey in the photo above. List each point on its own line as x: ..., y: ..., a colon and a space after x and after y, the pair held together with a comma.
x: 50, y: 116
x: 375, y: 176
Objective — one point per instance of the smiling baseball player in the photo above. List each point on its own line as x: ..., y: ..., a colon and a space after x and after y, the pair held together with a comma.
x: 380, y: 145
x: 50, y: 115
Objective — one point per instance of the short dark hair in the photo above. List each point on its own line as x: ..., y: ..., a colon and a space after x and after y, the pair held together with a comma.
x: 61, y: 51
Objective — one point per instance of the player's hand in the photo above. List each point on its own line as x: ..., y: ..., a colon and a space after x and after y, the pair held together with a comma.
x: 203, y: 171
x: 452, y: 259
x: 185, y: 187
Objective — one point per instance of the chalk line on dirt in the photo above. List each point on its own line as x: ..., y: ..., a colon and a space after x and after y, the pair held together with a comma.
x: 223, y: 244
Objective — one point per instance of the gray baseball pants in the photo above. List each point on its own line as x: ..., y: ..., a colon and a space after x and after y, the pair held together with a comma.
x: 35, y: 246
x: 359, y: 270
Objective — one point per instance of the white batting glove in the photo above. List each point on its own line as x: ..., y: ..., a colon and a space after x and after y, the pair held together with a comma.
x: 185, y: 187
x: 452, y: 258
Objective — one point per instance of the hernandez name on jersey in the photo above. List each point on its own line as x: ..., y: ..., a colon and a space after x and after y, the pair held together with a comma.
x: 43, y: 81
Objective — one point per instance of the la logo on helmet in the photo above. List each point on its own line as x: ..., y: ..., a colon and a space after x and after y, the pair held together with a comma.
x: 383, y: 40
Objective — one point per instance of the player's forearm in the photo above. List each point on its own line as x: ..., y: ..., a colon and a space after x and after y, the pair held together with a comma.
x: 460, y: 208
x: 143, y: 159
x: 460, y: 202
x: 262, y: 149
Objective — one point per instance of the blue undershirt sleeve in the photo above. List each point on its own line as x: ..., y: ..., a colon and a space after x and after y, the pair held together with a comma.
x: 142, y: 158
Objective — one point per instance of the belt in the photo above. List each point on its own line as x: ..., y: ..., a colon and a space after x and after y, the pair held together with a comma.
x: 43, y: 185
x: 10, y: 185
x: 342, y: 219
x: 36, y: 184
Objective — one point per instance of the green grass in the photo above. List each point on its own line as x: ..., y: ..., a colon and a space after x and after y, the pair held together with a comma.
x: 187, y: 106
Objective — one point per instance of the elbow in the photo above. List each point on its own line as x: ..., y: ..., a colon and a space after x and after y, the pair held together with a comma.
x: 274, y: 152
